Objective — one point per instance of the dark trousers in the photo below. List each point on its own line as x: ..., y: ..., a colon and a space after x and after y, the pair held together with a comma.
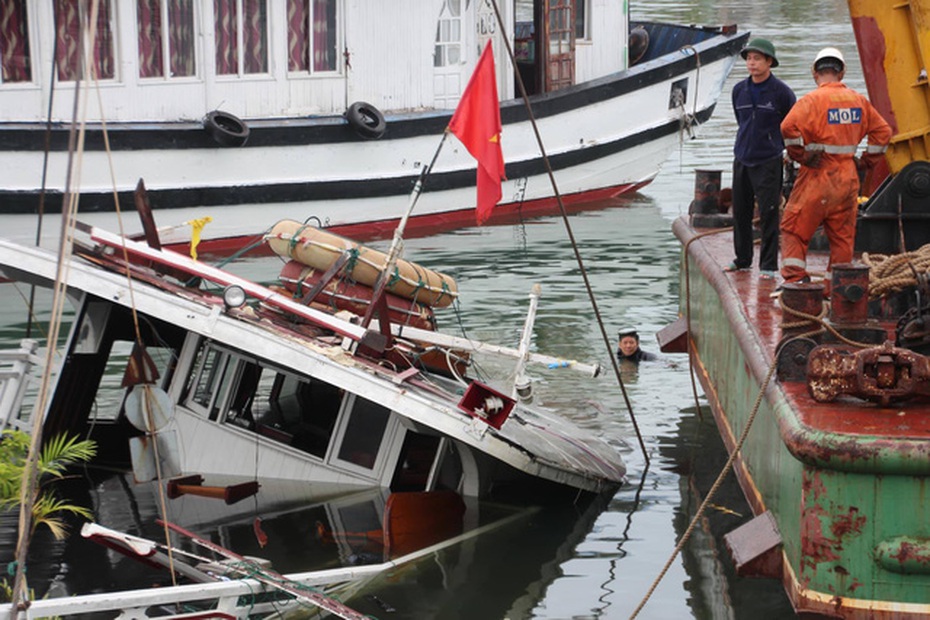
x: 760, y: 184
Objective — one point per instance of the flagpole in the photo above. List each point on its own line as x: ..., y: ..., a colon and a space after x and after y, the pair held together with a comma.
x: 568, y: 228
x: 397, y: 243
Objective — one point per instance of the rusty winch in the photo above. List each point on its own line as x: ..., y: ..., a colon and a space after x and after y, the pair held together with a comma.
x: 913, y: 329
x: 880, y: 374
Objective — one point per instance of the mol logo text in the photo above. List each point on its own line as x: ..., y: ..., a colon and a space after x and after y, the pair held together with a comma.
x: 844, y: 116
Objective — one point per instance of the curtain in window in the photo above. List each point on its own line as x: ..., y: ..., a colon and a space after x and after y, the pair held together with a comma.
x: 181, y: 37
x: 311, y: 23
x: 324, y: 35
x: 14, y: 41
x: 224, y: 27
x: 148, y: 14
x: 255, y: 36
x: 298, y: 39
x: 68, y: 19
x: 103, y: 45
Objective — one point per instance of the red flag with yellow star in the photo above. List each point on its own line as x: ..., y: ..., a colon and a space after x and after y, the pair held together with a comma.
x: 477, y: 123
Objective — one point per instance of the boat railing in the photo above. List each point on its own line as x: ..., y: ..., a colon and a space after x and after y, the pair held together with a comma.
x: 16, y: 374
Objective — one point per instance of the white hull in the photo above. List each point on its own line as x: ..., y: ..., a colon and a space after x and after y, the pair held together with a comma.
x: 602, y: 138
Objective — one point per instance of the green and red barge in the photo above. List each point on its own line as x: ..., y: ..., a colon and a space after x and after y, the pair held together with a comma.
x: 836, y: 464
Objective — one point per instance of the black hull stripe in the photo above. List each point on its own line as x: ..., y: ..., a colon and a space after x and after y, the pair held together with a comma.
x: 334, y: 129
x: 27, y: 202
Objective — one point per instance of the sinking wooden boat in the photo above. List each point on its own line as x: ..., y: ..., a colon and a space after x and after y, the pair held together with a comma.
x: 223, y: 366
x: 319, y: 111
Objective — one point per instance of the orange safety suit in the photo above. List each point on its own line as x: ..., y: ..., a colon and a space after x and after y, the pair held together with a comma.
x: 822, y: 132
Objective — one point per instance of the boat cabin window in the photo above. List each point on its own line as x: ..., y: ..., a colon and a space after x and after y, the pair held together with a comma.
x: 70, y: 17
x: 416, y: 462
x: 448, y: 50
x: 581, y: 20
x: 166, y: 31
x: 206, y: 381
x: 241, y: 34
x: 364, y: 433
x: 14, y: 43
x: 312, y: 35
x: 297, y: 411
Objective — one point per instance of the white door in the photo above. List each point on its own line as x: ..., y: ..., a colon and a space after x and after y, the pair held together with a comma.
x: 449, y: 55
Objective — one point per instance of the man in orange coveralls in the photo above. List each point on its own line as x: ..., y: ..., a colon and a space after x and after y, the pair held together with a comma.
x: 822, y: 132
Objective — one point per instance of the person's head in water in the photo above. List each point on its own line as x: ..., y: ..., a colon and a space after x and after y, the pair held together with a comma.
x: 628, y: 342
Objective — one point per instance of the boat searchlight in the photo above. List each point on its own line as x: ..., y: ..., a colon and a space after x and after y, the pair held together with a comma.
x: 233, y: 296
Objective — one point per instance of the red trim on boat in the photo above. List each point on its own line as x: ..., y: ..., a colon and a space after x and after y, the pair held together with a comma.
x: 432, y: 223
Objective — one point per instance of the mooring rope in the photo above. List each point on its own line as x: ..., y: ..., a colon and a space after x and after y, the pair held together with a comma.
x: 892, y: 273
x: 719, y: 481
x: 811, y: 319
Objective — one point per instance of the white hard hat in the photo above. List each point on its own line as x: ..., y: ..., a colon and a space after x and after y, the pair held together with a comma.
x: 830, y: 52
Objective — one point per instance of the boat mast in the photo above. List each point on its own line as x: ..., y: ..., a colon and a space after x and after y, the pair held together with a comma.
x: 378, y: 301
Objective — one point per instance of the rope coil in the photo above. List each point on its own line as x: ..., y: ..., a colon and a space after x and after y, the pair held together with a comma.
x: 893, y: 273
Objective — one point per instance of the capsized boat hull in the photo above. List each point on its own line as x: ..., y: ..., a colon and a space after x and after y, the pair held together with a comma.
x: 844, y: 481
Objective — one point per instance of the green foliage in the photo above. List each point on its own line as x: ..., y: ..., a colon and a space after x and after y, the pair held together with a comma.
x: 59, y: 453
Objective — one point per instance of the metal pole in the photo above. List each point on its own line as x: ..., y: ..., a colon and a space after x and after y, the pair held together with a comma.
x: 397, y: 243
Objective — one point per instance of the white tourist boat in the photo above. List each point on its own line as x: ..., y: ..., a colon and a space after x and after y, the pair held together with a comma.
x: 328, y: 110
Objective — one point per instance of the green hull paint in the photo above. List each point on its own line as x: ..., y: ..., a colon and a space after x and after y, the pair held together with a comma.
x: 841, y: 518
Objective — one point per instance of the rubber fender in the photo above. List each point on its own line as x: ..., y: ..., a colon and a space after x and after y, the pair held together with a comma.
x: 225, y: 128
x: 366, y: 120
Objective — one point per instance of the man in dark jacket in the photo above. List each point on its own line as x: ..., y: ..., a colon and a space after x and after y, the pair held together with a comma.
x: 760, y: 103
x: 628, y: 347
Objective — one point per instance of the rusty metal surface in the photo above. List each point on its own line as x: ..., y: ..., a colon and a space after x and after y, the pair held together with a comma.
x: 673, y: 338
x: 849, y: 297
x: 706, y: 192
x: 756, y: 546
x: 908, y: 555
x: 880, y: 374
x: 840, y: 477
x: 792, y: 363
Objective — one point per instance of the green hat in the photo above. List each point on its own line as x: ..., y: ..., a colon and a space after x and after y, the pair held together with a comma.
x: 763, y: 46
x: 627, y: 331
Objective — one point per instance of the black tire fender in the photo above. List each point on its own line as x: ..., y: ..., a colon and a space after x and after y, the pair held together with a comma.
x: 366, y: 120
x: 225, y: 128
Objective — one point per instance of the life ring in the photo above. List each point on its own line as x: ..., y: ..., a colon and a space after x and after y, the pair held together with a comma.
x: 225, y: 128
x: 366, y: 120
